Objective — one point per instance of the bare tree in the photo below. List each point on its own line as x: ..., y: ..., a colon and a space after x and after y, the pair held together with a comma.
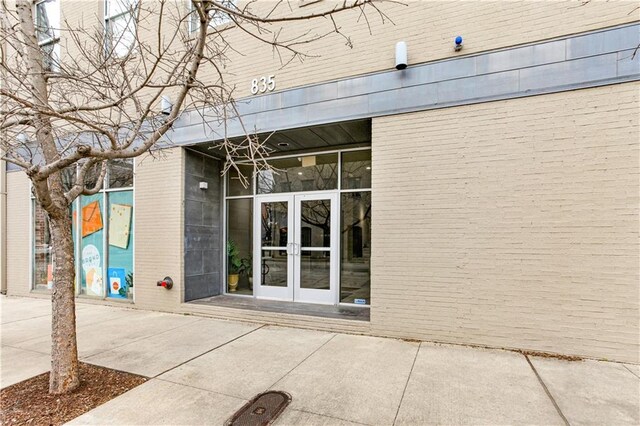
x: 100, y: 103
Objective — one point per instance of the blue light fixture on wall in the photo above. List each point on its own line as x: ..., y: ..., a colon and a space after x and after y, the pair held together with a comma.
x: 458, y: 42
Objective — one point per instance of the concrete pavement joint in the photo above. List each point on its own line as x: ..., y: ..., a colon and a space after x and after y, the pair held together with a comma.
x: 98, y: 353
x: 198, y: 388
x: 630, y: 371
x: 298, y: 365
x: 49, y: 332
x: 406, y: 385
x: 25, y: 319
x: 140, y: 339
x: 210, y: 350
x: 544, y: 386
x: 26, y: 350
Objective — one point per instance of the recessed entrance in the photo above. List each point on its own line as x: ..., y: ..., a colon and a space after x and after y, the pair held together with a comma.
x: 300, y: 230
x: 296, y: 247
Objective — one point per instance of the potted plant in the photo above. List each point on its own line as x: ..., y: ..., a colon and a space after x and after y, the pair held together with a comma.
x: 247, y: 268
x: 234, y: 268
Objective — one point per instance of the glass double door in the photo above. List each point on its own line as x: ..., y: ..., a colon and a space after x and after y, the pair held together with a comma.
x: 295, y: 247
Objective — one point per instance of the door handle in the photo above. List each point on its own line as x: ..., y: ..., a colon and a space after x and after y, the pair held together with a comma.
x: 290, y: 249
x: 296, y: 249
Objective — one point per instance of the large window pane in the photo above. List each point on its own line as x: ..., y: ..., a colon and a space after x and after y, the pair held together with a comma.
x: 91, y: 247
x: 274, y: 232
x: 355, y: 284
x: 120, y: 24
x: 304, y: 173
x: 120, y: 245
x: 240, y: 236
x: 315, y: 216
x: 91, y: 176
x: 274, y: 268
x: 42, y: 252
x: 68, y: 177
x: 315, y: 269
x: 274, y: 224
x: 356, y: 169
x: 120, y: 173
x: 240, y: 183
x: 47, y: 30
x: 121, y: 33
x: 51, y: 56
x: 47, y: 20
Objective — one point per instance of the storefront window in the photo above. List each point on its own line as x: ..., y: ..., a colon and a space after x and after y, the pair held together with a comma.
x: 102, y: 228
x: 120, y: 249
x: 42, y: 252
x: 41, y: 248
x: 355, y: 272
x: 120, y: 174
x: 92, y: 244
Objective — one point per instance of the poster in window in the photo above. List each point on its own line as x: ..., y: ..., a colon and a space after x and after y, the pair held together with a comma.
x: 119, y: 225
x: 117, y: 282
x: 91, y: 218
x: 91, y: 261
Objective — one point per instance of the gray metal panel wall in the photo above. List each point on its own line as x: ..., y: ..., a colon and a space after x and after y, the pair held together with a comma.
x: 588, y: 60
x: 202, y: 218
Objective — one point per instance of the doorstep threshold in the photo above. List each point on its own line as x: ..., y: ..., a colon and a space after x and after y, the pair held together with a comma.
x: 340, y: 312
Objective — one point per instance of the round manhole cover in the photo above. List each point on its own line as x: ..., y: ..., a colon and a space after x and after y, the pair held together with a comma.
x: 261, y: 410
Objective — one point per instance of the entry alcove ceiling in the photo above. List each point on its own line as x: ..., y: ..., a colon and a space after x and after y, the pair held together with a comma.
x: 347, y: 134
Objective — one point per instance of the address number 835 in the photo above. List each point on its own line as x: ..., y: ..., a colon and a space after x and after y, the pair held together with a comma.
x: 263, y: 84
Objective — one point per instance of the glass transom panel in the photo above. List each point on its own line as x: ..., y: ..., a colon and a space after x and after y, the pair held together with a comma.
x: 299, y: 174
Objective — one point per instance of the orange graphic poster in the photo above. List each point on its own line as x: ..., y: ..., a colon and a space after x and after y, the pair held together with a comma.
x: 91, y: 219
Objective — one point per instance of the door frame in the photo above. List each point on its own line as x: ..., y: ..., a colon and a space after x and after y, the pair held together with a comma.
x: 306, y: 295
x: 293, y: 291
x: 272, y: 292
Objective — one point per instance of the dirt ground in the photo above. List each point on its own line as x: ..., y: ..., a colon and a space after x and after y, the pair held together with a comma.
x: 29, y: 402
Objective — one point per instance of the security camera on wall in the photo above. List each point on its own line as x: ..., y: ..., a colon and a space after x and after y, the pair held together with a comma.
x: 401, y: 55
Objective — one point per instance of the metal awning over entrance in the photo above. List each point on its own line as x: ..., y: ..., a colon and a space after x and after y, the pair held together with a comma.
x: 349, y: 134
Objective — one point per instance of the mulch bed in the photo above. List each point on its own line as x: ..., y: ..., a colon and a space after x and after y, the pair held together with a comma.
x: 29, y: 402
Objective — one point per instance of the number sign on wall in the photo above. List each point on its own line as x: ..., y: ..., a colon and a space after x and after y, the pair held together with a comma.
x: 263, y: 84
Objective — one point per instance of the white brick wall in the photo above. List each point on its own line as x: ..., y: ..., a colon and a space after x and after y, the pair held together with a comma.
x: 18, y: 237
x: 159, y: 230
x: 511, y: 224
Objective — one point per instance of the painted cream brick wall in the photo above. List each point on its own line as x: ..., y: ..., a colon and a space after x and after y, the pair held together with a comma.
x: 159, y: 229
x: 511, y: 224
x: 429, y: 28
x: 18, y: 247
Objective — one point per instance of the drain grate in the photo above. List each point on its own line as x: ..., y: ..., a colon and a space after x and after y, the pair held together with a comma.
x: 261, y: 410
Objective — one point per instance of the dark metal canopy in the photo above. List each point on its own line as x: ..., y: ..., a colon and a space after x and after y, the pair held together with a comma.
x: 306, y: 139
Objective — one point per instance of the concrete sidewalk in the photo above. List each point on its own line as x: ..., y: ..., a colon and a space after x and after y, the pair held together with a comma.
x: 202, y: 370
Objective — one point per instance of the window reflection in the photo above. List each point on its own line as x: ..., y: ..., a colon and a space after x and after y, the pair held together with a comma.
x: 356, y: 169
x: 120, y: 173
x: 240, y: 183
x: 240, y: 234
x: 42, y: 251
x: 355, y: 282
x: 316, y: 223
x: 304, y: 173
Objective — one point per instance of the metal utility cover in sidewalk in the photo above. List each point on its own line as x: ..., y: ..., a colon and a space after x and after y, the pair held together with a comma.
x: 262, y: 410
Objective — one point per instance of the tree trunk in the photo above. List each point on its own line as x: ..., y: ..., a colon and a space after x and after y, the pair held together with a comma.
x: 64, y: 348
